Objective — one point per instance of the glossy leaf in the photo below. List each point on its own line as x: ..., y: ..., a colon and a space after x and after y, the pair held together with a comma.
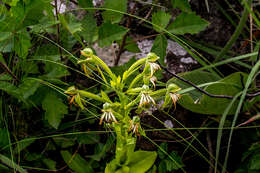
x: 161, y: 19
x: 114, y: 17
x: 76, y: 162
x: 54, y: 108
x: 110, y: 32
x: 187, y: 23
x: 159, y: 47
x: 141, y: 161
x: 204, y: 104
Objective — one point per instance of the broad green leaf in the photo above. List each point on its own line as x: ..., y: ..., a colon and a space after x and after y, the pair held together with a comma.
x: 141, y: 161
x: 118, y: 5
x: 231, y: 85
x: 11, y: 164
x: 28, y: 87
x: 187, y: 23
x: 76, y: 162
x: 159, y: 47
x: 22, y: 43
x: 110, y: 32
x: 183, y: 5
x: 89, y: 28
x: 161, y: 19
x: 54, y: 109
x: 197, y: 78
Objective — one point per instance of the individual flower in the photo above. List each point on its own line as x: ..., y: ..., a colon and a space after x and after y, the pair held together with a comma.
x: 154, y: 67
x: 134, y: 125
x: 153, y: 80
x: 175, y: 97
x: 146, y: 99
x: 108, y: 116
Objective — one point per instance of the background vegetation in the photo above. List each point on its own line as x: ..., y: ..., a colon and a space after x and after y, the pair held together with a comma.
x: 214, y: 126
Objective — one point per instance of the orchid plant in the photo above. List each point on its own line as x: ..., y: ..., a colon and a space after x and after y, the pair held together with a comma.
x: 140, y: 95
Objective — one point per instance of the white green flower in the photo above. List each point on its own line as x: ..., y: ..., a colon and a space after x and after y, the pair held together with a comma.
x: 108, y: 117
x: 154, y: 67
x: 146, y: 99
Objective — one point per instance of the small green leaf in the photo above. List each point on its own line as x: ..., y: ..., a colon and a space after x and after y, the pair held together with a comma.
x: 54, y: 109
x: 110, y: 32
x: 187, y: 23
x: 114, y: 17
x: 183, y: 5
x: 141, y: 161
x: 76, y: 162
x: 161, y: 19
x: 159, y: 47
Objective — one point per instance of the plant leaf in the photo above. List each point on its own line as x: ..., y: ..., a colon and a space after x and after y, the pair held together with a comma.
x: 22, y: 43
x: 187, y: 23
x: 110, y: 32
x: 76, y: 162
x: 161, y: 19
x: 200, y: 103
x: 28, y: 87
x: 159, y: 47
x: 141, y: 161
x: 183, y: 5
x: 114, y: 17
x: 89, y: 28
x: 54, y: 109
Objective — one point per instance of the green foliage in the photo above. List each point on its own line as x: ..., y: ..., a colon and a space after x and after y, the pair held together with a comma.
x: 159, y: 47
x: 108, y: 33
x: 200, y: 103
x: 54, y: 108
x: 160, y: 19
x: 166, y: 164
x: 76, y: 162
x: 187, y: 23
x: 118, y: 5
x: 183, y: 5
